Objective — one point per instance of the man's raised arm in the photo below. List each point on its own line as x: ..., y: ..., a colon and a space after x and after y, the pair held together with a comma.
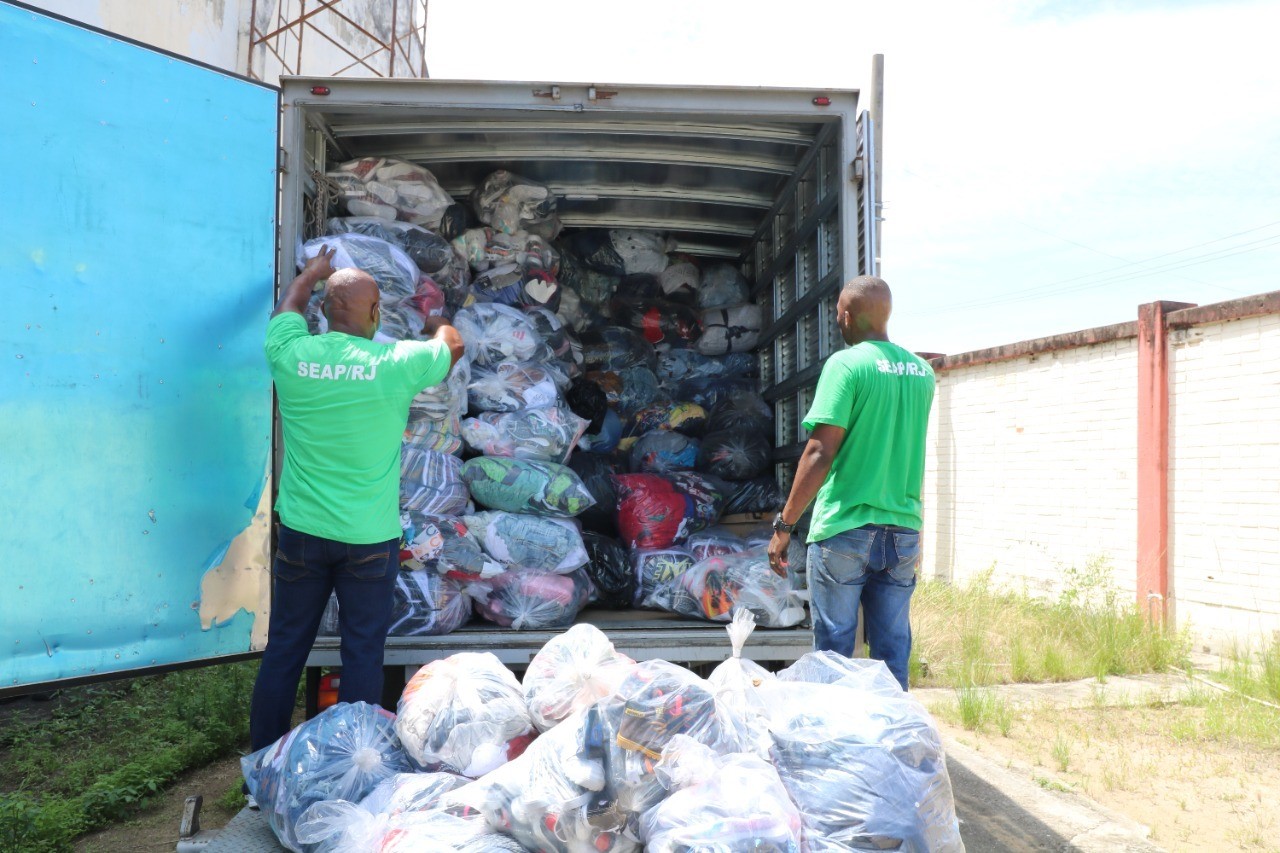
x: 298, y: 293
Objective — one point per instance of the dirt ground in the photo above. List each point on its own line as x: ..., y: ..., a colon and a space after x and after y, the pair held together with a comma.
x: 1195, y: 795
x: 156, y: 828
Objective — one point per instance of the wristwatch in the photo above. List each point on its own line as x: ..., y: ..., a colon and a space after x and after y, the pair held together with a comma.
x: 781, y: 526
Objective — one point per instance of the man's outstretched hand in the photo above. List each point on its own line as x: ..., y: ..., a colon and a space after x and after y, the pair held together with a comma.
x: 320, y: 267
x: 778, y: 553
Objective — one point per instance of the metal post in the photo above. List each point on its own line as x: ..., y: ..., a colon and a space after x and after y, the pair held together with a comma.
x: 877, y: 125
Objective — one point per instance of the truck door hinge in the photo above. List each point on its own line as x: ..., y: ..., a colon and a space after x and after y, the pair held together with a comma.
x: 553, y: 93
x: 282, y: 160
x: 594, y: 94
x: 859, y: 165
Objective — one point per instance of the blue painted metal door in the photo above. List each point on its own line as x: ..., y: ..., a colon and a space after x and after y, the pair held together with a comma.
x: 137, y: 267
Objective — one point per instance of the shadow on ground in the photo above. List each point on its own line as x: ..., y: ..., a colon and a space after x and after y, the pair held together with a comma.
x: 990, y: 821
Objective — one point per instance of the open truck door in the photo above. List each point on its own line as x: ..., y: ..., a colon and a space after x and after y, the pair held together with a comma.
x: 138, y: 259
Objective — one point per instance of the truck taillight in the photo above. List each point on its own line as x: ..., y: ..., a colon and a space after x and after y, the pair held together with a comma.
x: 328, y: 696
x: 820, y: 101
x: 319, y: 90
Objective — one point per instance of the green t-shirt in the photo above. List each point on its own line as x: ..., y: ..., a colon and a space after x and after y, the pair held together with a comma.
x: 880, y: 393
x: 344, y: 402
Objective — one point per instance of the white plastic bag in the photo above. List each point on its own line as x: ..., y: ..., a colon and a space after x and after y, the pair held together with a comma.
x: 515, y: 386
x: 464, y: 714
x: 547, y: 433
x: 738, y: 683
x: 497, y: 333
x: 571, y: 673
x: 524, y: 541
x: 717, y: 586
x: 391, y: 189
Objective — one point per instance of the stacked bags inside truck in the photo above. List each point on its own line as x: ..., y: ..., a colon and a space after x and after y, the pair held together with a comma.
x: 596, y: 752
x: 607, y: 409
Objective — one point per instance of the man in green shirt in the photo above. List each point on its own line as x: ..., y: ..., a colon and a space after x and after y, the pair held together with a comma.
x: 344, y: 401
x: 864, y: 463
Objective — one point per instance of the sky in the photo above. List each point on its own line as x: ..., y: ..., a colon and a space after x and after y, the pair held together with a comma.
x: 1047, y: 166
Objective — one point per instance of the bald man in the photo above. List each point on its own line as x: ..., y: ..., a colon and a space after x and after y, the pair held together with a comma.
x: 344, y: 401
x: 864, y: 465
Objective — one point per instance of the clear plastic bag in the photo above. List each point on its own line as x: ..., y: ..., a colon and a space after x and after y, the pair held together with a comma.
x: 395, y: 274
x: 686, y: 418
x: 616, y: 348
x: 865, y: 769
x: 678, y: 365
x: 639, y: 389
x: 722, y: 284
x: 564, y: 348
x: 641, y: 251
x: 658, y: 511
x: 509, y: 285
x: 720, y: 803
x: 391, y: 189
x: 735, y: 454
x: 862, y: 674
x: 445, y: 400
x: 529, y: 600
x: 594, y: 250
x: 762, y: 494
x: 730, y: 330
x: 523, y: 485
x: 609, y: 569
x: 486, y: 248
x: 431, y: 483
x: 548, y: 433
x: 528, y: 541
x: 663, y: 451
x: 658, y: 572
x: 667, y: 323
x: 428, y: 250
x: 574, y: 791
x: 661, y: 700
x: 716, y: 586
x: 715, y: 542
x: 738, y: 683
x: 514, y: 386
x: 680, y: 281
x: 444, y: 546
x: 464, y: 714
x: 338, y: 826
x: 497, y: 333
x: 426, y: 604
x: 710, y: 392
x: 571, y: 673
x: 341, y: 754
x: 511, y: 203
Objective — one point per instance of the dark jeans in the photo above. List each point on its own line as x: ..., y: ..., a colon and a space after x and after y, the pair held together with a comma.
x: 306, y: 569
x: 874, y: 566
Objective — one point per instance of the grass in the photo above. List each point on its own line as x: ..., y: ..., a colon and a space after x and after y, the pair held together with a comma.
x: 979, y: 634
x: 108, y: 749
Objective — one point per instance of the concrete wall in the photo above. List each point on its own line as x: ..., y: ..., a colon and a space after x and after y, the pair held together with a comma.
x: 1224, y: 504
x: 218, y: 32
x: 211, y: 31
x: 1031, y: 469
x: 1034, y: 451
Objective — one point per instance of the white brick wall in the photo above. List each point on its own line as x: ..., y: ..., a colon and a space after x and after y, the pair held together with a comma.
x: 1032, y: 467
x: 1224, y: 492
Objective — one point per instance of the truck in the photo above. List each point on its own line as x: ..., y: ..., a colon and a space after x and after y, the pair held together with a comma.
x: 163, y: 202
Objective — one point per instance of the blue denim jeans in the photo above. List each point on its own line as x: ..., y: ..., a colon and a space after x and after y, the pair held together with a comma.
x: 873, y: 565
x: 306, y: 569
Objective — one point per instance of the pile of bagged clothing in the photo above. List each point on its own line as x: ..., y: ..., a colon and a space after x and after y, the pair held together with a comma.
x: 593, y: 751
x: 605, y: 416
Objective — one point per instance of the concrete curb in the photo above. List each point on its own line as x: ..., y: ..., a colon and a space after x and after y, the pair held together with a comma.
x: 1086, y: 825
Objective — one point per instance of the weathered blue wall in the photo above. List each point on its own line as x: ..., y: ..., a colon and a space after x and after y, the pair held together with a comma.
x: 137, y: 230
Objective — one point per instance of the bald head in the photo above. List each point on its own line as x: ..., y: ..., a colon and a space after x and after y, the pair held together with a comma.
x: 863, y: 309
x: 351, y: 303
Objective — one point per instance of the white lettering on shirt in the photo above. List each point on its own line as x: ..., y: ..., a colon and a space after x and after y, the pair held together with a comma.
x: 899, y: 368
x: 315, y: 370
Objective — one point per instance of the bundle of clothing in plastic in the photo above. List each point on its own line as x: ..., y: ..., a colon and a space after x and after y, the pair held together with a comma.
x: 716, y: 586
x: 595, y: 752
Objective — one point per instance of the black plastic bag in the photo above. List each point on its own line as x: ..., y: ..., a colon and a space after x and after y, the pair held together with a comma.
x: 735, y: 454
x: 610, y: 571
x: 763, y: 494
x: 596, y: 471
x: 659, y: 322
x: 741, y: 410
x: 588, y: 400
x: 595, y: 249
x: 616, y: 348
